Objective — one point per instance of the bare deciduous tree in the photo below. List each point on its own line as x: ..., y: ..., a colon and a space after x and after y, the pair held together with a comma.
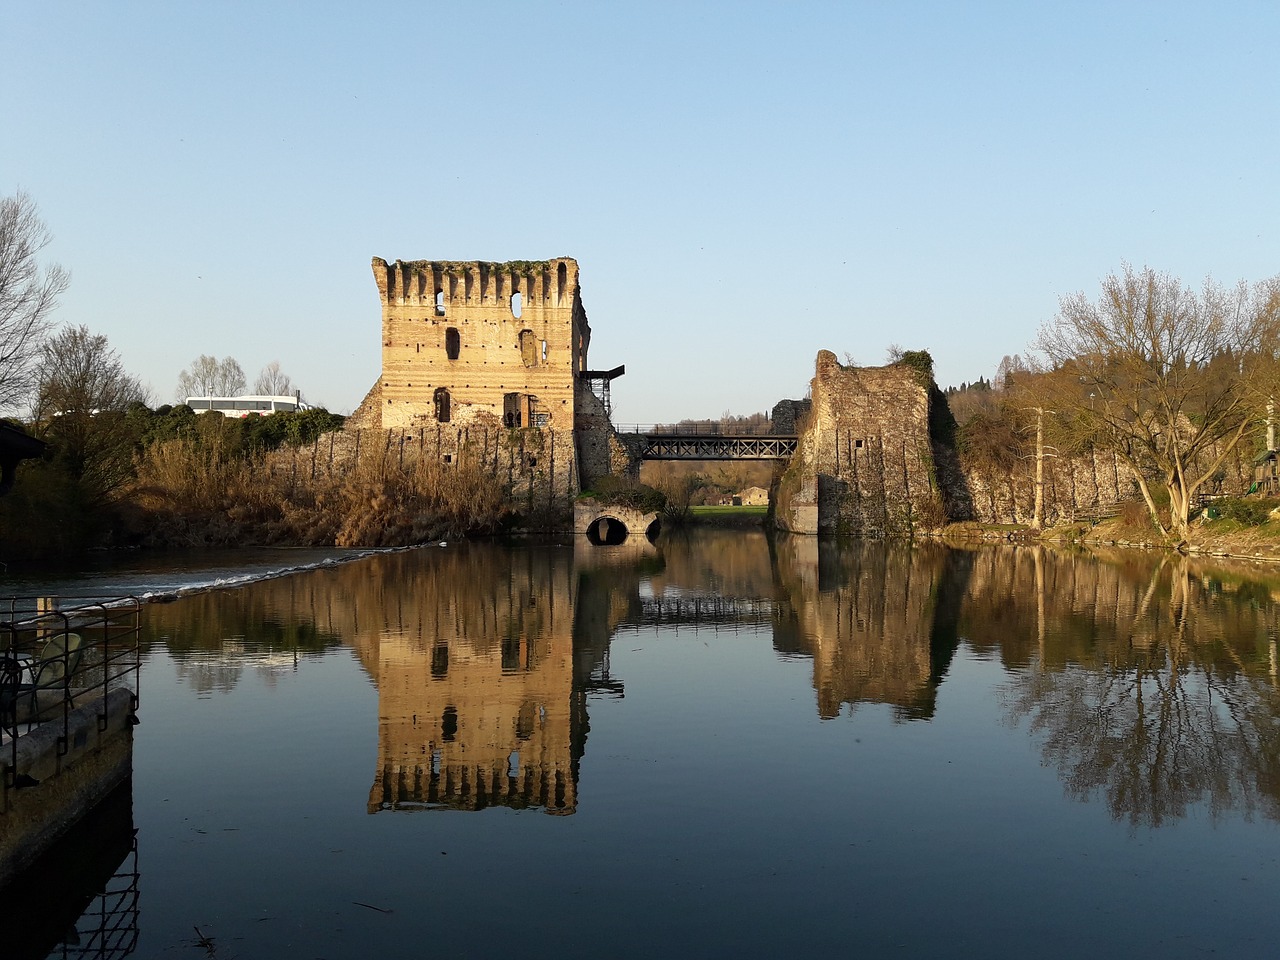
x: 210, y: 377
x: 28, y: 296
x: 1009, y: 368
x: 83, y: 394
x: 1169, y: 379
x: 272, y: 381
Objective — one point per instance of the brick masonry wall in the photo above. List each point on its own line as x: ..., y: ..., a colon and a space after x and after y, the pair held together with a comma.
x: 461, y: 372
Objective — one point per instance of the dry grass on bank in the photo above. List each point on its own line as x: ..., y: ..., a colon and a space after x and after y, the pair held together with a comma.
x: 193, y: 493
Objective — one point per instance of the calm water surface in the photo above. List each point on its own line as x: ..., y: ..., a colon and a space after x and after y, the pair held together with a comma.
x: 716, y: 748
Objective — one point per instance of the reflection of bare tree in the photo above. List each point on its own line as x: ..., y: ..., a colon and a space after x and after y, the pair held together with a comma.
x: 1171, y: 707
x: 215, y: 637
x: 219, y: 670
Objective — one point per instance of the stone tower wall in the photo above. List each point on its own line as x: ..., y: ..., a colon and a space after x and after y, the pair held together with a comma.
x: 864, y: 463
x: 451, y: 326
x: 464, y: 376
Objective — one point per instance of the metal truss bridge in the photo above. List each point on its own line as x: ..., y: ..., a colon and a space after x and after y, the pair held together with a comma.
x: 705, y: 442
x: 709, y: 611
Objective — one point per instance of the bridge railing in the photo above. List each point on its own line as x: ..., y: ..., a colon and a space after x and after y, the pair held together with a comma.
x: 698, y: 429
x: 52, y: 658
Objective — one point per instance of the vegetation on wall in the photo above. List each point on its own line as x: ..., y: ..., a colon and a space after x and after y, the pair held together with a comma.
x: 623, y: 492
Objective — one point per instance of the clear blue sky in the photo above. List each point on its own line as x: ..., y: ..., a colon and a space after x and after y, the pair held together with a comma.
x: 742, y: 183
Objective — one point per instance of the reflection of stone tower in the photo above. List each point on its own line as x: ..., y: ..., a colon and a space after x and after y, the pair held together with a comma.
x: 471, y: 728
x: 879, y: 621
x: 476, y: 693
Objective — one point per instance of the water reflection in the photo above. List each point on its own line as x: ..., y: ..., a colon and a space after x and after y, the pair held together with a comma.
x: 477, y: 704
x: 80, y: 899
x: 216, y: 638
x: 879, y: 620
x: 1150, y: 680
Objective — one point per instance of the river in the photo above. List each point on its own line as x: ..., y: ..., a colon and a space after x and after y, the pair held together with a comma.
x: 720, y: 746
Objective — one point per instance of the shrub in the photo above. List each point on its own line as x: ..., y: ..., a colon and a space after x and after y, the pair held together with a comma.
x: 629, y: 493
x: 1135, y: 516
x: 1249, y: 512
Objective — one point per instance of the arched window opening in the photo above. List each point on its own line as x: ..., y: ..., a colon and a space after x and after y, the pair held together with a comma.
x: 528, y: 348
x: 452, y: 343
x: 516, y: 304
x: 439, y: 302
x: 442, y: 404
x: 562, y: 279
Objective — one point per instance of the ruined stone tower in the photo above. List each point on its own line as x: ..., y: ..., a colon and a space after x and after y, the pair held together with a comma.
x: 461, y: 339
x: 471, y: 348
x: 864, y: 463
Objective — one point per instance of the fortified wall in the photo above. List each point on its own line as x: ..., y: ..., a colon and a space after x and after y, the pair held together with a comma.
x: 864, y: 463
x: 474, y: 352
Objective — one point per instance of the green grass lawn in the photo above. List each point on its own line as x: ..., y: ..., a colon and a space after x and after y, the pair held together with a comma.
x: 717, y: 511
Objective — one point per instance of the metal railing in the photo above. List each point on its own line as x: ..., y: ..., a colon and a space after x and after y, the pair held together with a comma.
x: 54, y: 658
x: 699, y: 429
x: 108, y: 928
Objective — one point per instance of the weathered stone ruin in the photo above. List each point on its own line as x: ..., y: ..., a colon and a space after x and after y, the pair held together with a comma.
x: 865, y: 462
x: 789, y: 415
x: 490, y: 360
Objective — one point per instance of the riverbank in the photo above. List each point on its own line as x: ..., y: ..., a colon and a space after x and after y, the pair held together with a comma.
x: 1227, y: 539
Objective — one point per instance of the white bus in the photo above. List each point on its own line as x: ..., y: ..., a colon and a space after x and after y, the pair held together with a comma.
x: 243, y: 406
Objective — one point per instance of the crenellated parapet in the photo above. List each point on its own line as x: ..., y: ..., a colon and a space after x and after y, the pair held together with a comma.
x: 489, y: 352
x: 416, y: 283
